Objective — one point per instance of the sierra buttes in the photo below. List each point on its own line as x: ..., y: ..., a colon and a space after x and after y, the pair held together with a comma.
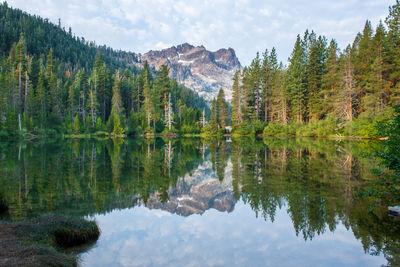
x: 197, y: 68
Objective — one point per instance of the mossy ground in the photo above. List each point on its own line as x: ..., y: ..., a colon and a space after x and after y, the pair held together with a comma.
x: 41, y: 242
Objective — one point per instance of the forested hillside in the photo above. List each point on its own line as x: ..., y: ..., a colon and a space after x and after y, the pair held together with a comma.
x: 42, y: 35
x: 52, y: 82
x: 323, y: 91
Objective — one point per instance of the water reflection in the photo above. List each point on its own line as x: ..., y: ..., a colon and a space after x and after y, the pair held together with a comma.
x: 246, y: 203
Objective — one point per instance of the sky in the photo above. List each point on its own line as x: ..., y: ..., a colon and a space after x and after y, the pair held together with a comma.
x: 248, y: 26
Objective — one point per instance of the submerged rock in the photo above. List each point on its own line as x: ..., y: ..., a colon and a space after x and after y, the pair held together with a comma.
x: 394, y: 211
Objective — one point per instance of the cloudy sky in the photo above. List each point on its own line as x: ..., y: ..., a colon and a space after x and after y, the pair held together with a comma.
x: 247, y: 26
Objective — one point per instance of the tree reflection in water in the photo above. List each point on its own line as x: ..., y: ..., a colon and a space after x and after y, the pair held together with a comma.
x: 317, y: 182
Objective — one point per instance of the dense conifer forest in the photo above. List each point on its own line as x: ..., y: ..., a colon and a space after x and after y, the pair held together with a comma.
x: 52, y: 82
x: 323, y: 91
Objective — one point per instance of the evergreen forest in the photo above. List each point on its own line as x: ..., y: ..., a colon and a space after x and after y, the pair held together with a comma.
x: 323, y: 91
x: 52, y: 83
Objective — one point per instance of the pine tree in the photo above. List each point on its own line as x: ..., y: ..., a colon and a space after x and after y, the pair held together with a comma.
x: 273, y: 69
x: 266, y: 77
x: 346, y: 100
x: 279, y: 108
x: 148, y: 100
x: 20, y: 69
x: 295, y: 82
x: 115, y: 124
x: 378, y: 97
x: 214, y: 115
x: 203, y: 121
x: 53, y: 87
x: 363, y: 60
x: 236, y: 101
x: 42, y: 98
x: 169, y: 115
x: 392, y: 55
x: 252, y: 91
x: 162, y: 86
x: 221, y: 109
x: 330, y: 79
x: 101, y: 83
x: 315, y: 71
x: 93, y: 106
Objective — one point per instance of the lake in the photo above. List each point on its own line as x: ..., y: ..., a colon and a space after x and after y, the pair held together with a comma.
x: 188, y: 202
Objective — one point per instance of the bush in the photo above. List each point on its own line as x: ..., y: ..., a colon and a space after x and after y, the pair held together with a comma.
x: 249, y: 129
x: 322, y: 128
x: 73, y: 233
x: 245, y: 129
x: 279, y: 130
x: 63, y: 231
x: 212, y: 131
x: 189, y: 129
x: 368, y: 125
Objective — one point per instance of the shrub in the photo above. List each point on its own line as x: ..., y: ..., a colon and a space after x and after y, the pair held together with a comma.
x: 367, y: 125
x: 279, y: 130
x: 189, y: 129
x: 72, y: 233
x: 63, y: 231
x: 322, y: 128
x: 245, y: 129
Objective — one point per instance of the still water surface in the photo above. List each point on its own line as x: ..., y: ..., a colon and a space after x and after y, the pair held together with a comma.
x: 193, y: 203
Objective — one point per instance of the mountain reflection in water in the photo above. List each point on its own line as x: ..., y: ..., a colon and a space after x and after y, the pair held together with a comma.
x: 192, y: 203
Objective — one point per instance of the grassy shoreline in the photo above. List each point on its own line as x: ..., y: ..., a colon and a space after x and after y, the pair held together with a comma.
x: 43, y: 241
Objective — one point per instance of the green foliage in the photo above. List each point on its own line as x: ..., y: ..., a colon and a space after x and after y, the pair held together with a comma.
x: 248, y: 129
x: 368, y: 126
x: 76, y: 128
x: 244, y: 129
x: 391, y: 129
x: 99, y: 125
x: 72, y: 231
x: 324, y: 128
x: 55, y: 83
x: 189, y: 130
x: 386, y: 190
x: 323, y: 91
x: 117, y: 129
x: 363, y: 127
x: 316, y: 181
x: 41, y: 35
x: 280, y: 130
x: 211, y: 130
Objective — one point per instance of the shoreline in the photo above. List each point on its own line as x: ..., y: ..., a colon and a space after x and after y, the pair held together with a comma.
x: 43, y: 241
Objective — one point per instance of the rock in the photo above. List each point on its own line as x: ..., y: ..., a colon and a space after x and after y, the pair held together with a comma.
x: 197, y: 68
x: 394, y: 211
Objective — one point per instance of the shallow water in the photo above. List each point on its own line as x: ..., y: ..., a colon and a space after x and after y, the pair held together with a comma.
x: 193, y: 203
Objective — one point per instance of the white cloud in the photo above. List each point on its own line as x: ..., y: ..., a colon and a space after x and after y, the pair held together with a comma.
x: 245, y: 25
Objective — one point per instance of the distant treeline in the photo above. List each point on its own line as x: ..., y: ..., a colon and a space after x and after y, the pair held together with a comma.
x: 323, y: 91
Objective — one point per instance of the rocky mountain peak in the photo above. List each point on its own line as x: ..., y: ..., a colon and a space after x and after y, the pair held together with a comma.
x: 201, y: 70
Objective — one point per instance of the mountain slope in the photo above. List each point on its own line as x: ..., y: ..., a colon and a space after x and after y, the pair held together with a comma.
x: 197, y: 68
x: 41, y: 35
